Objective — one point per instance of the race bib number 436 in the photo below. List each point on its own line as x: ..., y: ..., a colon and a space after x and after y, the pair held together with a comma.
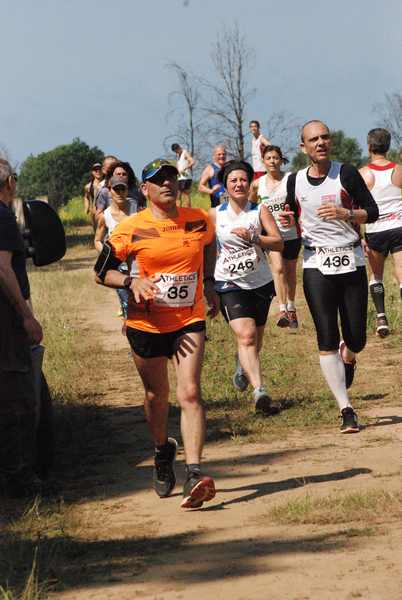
x: 333, y: 261
x: 176, y: 289
x: 241, y: 263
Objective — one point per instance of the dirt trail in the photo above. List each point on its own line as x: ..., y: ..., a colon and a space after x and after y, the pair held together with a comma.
x: 144, y: 547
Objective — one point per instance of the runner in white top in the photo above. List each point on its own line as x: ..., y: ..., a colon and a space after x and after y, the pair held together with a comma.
x: 331, y: 200
x: 271, y: 189
x: 184, y: 164
x: 243, y: 278
x: 258, y: 142
x: 120, y: 208
x: 384, y: 179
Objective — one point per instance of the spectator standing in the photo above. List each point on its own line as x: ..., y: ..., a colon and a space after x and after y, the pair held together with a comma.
x: 184, y: 164
x: 258, y: 143
x: 19, y: 330
x: 91, y: 190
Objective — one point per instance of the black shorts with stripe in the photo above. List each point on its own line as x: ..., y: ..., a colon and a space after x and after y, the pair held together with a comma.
x: 253, y: 304
x: 153, y: 345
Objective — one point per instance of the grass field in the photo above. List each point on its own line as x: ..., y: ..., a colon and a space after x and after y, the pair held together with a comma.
x: 38, y: 543
x: 366, y: 507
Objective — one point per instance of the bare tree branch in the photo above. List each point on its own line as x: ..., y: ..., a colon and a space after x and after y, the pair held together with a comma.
x: 390, y: 116
x: 228, y: 98
x: 185, y: 110
x: 283, y: 130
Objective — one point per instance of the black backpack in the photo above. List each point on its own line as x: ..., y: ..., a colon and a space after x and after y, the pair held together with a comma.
x: 44, y: 233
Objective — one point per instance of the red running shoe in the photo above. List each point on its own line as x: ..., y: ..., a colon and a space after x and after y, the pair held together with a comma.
x: 197, y: 490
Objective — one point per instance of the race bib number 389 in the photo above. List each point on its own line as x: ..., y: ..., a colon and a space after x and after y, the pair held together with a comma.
x: 333, y: 261
x: 176, y: 290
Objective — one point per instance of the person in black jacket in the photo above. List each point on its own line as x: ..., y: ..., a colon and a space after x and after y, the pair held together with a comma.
x: 19, y: 330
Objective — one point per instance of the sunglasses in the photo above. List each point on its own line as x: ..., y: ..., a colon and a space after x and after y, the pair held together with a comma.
x: 119, y: 188
x: 162, y: 176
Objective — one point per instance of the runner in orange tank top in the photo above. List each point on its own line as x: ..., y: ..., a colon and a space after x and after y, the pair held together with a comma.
x: 171, y: 248
x: 174, y: 252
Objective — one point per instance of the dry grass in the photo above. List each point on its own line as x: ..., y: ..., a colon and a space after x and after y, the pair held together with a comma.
x: 368, y: 507
x: 37, y: 545
x: 59, y: 300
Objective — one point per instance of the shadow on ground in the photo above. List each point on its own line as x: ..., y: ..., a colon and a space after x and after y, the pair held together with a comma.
x: 385, y: 421
x: 67, y: 563
x: 100, y: 451
x: 259, y: 490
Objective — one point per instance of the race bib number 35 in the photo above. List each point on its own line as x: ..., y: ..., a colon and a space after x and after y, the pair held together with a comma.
x: 176, y: 290
x: 241, y: 263
x: 333, y: 261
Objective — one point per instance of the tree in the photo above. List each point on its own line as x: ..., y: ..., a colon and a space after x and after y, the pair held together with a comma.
x: 344, y: 149
x: 58, y: 174
x: 186, y: 103
x: 282, y: 129
x: 227, y: 102
x: 390, y: 116
x: 299, y: 161
x: 395, y: 155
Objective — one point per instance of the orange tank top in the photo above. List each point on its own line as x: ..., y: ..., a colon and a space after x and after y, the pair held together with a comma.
x: 173, y: 248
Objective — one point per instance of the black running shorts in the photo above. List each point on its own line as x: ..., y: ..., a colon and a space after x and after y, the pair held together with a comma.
x: 291, y: 249
x: 252, y: 304
x: 385, y: 241
x: 152, y: 345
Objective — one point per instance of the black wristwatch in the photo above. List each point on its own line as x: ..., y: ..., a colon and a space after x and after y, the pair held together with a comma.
x: 127, y: 282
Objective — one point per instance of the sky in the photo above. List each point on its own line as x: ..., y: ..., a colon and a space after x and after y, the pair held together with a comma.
x: 96, y: 70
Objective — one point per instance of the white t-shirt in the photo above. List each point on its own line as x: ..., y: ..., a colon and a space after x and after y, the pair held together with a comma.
x: 275, y: 200
x: 257, y: 163
x: 182, y: 166
x: 111, y: 224
x: 240, y: 262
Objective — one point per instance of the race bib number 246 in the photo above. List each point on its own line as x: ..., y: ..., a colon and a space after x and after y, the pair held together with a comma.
x: 241, y: 263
